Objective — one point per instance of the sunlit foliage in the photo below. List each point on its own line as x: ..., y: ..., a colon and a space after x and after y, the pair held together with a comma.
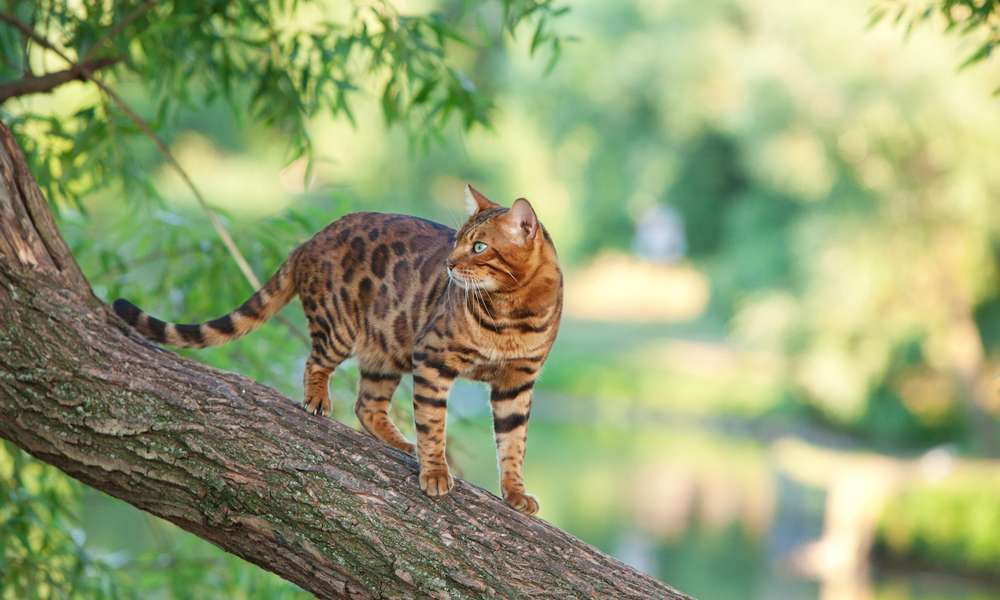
x: 275, y: 63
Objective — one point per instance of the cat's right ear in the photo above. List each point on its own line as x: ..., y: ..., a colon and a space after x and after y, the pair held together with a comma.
x: 475, y: 201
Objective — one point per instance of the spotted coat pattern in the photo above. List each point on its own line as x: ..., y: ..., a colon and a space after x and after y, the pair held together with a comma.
x: 387, y: 289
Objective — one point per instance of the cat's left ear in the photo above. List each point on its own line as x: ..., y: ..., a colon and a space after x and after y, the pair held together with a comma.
x: 475, y: 201
x: 520, y: 221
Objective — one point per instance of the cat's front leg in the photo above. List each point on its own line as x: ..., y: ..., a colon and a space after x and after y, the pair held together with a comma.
x: 510, y: 400
x: 433, y: 377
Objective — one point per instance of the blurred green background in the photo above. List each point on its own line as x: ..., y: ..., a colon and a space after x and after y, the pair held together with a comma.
x: 779, y: 370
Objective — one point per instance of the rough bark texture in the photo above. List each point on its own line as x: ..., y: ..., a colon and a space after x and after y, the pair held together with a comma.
x: 234, y: 462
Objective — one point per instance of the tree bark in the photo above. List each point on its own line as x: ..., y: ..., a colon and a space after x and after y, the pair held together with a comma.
x: 334, y: 511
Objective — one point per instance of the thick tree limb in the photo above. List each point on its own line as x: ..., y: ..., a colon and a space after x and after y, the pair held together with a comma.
x: 234, y: 462
x: 50, y: 81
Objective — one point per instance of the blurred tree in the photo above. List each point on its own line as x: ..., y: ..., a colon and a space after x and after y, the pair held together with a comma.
x: 838, y: 189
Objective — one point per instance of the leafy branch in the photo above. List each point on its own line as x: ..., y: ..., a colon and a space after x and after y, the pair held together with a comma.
x: 276, y: 63
x: 979, y: 19
x: 213, y: 218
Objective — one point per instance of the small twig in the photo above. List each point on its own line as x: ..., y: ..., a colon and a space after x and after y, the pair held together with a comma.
x: 220, y: 229
x: 118, y: 27
x: 213, y: 218
x: 44, y: 84
x: 29, y: 32
x: 26, y: 70
x: 217, y: 224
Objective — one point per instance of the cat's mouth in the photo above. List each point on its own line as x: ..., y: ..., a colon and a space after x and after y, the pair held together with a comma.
x: 464, y: 281
x: 458, y: 279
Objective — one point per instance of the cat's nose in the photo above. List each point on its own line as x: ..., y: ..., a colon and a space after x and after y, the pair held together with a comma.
x: 451, y: 264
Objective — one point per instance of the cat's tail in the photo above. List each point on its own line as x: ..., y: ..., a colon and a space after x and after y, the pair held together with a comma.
x: 264, y: 304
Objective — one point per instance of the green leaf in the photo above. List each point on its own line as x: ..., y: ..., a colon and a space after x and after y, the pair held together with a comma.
x: 981, y: 54
x: 538, y: 38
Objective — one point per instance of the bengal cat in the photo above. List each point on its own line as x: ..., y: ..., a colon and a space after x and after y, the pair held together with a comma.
x: 406, y: 295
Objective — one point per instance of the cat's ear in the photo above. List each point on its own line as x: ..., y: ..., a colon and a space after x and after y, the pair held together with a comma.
x: 520, y: 221
x: 475, y: 202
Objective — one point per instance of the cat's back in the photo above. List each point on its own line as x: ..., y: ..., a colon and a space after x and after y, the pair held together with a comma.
x: 374, y: 243
x: 376, y: 277
x: 374, y: 228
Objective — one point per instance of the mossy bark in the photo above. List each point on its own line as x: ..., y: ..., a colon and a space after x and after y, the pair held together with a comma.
x: 236, y: 463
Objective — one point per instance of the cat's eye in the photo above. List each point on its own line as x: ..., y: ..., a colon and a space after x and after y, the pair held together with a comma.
x: 479, y: 247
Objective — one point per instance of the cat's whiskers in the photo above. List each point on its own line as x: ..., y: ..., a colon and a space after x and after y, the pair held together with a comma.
x: 490, y: 296
x: 479, y: 289
x: 482, y: 301
x: 507, y: 271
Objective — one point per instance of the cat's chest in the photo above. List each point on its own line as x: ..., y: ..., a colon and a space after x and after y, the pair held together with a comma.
x: 509, y: 345
x: 497, y: 355
x: 483, y: 371
x: 487, y: 371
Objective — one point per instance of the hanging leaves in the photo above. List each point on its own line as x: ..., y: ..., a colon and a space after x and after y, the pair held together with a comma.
x: 275, y: 63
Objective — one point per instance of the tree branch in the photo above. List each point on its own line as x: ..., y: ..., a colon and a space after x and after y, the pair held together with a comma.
x: 234, y: 462
x: 213, y: 219
x: 141, y: 123
x: 48, y: 82
x: 78, y: 70
x: 29, y: 33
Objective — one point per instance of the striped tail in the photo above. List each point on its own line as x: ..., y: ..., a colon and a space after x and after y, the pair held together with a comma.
x: 264, y: 304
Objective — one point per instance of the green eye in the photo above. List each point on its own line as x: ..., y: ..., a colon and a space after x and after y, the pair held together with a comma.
x: 479, y: 247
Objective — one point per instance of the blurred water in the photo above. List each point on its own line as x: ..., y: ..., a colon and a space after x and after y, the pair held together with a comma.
x: 701, y: 504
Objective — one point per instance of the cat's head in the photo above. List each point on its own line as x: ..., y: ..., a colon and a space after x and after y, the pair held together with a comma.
x: 497, y: 247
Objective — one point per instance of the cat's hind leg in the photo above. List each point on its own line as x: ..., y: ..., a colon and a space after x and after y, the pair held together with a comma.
x: 374, y: 395
x: 322, y: 362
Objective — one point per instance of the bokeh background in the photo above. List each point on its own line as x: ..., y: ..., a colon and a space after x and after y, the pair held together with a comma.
x: 778, y: 375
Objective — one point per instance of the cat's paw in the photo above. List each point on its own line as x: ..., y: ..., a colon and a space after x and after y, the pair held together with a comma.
x: 317, y: 406
x: 436, y: 482
x: 524, y: 503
